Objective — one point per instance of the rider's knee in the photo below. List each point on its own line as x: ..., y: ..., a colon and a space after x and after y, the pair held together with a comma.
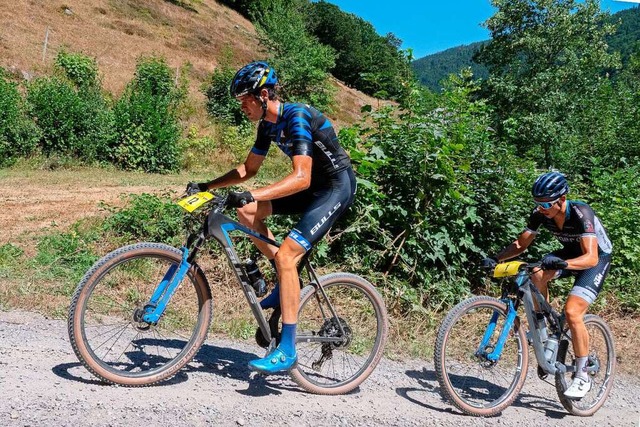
x: 573, y: 313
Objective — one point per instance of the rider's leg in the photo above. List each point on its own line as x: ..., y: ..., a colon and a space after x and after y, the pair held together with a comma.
x: 575, y: 310
x: 284, y: 357
x: 253, y: 215
x: 541, y: 280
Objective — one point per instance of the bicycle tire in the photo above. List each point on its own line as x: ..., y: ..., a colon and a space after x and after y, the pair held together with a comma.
x: 602, y: 381
x: 101, y: 301
x: 363, y: 315
x: 471, y: 389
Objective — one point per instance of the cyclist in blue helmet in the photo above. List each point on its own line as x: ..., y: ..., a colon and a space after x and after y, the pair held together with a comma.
x: 585, y: 254
x: 320, y: 187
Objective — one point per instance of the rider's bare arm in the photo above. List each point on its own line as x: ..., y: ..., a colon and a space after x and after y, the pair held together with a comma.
x: 299, y: 179
x: 517, y: 247
x: 241, y: 173
x: 589, y: 257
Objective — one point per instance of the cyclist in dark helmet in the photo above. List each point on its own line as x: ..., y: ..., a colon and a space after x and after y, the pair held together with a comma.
x: 586, y: 254
x: 320, y: 187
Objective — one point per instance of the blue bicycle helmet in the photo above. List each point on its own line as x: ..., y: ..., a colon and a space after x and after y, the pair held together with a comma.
x: 252, y: 78
x: 550, y: 186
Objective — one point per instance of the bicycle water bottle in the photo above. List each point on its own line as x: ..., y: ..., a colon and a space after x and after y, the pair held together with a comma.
x: 255, y: 278
x: 550, y: 348
x: 541, y: 327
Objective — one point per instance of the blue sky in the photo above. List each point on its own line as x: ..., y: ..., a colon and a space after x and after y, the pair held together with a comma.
x: 429, y: 26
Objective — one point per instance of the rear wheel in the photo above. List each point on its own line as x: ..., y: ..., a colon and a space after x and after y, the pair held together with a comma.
x: 105, y: 326
x: 601, y: 365
x: 337, y: 353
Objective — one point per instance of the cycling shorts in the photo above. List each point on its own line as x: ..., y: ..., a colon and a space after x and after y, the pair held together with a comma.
x: 588, y: 283
x: 320, y: 206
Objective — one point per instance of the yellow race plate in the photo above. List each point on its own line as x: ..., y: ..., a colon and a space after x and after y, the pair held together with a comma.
x: 191, y: 203
x: 507, y: 269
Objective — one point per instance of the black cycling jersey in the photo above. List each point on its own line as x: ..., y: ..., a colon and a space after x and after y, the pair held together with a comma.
x: 302, y: 130
x: 580, y: 221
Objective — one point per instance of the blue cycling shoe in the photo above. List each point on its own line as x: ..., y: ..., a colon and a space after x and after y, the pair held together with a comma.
x: 276, y: 361
x: 273, y: 299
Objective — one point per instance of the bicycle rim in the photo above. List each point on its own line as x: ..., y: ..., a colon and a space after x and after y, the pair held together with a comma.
x: 601, y: 352
x: 473, y: 384
x: 337, y: 368
x: 105, y: 333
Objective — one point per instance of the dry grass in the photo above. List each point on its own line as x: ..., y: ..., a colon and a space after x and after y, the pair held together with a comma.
x: 118, y: 32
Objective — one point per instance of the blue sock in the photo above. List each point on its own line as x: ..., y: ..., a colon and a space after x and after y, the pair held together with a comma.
x: 273, y: 299
x: 288, y: 339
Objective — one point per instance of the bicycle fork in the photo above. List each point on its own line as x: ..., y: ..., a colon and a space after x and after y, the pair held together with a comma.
x: 493, y: 352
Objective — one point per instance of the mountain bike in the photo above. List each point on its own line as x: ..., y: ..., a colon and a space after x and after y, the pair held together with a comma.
x: 481, y: 353
x: 143, y: 311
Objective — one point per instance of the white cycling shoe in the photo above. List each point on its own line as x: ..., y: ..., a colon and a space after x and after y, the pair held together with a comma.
x: 578, y: 388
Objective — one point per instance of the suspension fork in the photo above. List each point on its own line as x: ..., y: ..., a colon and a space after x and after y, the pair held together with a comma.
x: 491, y: 327
x: 169, y: 284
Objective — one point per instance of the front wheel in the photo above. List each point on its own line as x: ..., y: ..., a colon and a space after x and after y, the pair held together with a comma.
x: 468, y: 379
x: 601, y: 367
x: 106, y: 329
x: 340, y: 339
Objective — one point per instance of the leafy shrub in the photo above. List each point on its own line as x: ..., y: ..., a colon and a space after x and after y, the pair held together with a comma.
x: 147, y: 218
x: 146, y: 120
x: 18, y: 134
x: 78, y: 68
x: 220, y: 104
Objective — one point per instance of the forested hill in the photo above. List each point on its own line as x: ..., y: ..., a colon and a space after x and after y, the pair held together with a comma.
x: 431, y: 69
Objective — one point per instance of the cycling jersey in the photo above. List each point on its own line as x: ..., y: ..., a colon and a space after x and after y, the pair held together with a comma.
x: 302, y: 130
x: 580, y: 221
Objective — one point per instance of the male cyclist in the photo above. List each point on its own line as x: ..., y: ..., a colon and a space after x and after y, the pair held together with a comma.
x: 586, y: 254
x: 320, y: 187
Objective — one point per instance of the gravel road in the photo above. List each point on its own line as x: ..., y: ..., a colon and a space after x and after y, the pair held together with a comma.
x: 43, y: 384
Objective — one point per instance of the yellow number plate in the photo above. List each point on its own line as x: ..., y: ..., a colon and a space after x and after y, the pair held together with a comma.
x: 193, y: 202
x: 507, y: 269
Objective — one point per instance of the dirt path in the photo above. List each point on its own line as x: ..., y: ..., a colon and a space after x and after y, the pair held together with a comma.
x: 43, y: 384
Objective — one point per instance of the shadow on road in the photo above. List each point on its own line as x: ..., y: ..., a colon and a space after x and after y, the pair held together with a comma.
x: 428, y: 383
x: 222, y: 361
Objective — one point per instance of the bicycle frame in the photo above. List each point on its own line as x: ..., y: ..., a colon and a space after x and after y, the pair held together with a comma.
x: 526, y: 293
x: 219, y: 226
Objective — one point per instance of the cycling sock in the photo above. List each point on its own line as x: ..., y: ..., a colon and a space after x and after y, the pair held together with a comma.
x: 581, y: 368
x: 288, y: 339
x: 273, y: 299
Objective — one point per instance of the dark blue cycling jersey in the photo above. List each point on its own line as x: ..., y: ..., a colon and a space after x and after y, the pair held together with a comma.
x: 580, y: 221
x: 302, y: 130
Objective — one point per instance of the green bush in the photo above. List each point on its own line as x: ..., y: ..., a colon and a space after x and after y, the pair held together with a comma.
x: 147, y: 218
x: 74, y: 122
x: 18, y: 134
x: 220, y: 104
x: 80, y: 69
x: 146, y: 120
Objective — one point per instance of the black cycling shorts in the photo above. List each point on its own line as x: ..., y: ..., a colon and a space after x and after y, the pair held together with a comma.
x: 320, y: 206
x: 588, y: 283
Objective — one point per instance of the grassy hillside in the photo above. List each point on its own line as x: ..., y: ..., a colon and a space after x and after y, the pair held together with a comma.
x: 191, y: 33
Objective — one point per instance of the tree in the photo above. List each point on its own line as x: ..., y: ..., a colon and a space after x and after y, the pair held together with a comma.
x: 545, y: 58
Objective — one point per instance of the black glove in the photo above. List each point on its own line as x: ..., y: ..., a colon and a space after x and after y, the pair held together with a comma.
x: 238, y: 200
x: 196, y: 187
x: 552, y: 262
x: 490, y: 262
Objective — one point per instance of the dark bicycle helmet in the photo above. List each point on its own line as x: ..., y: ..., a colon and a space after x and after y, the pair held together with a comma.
x: 253, y: 77
x: 550, y: 185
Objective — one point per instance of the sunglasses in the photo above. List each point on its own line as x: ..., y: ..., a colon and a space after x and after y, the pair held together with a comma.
x: 546, y: 205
